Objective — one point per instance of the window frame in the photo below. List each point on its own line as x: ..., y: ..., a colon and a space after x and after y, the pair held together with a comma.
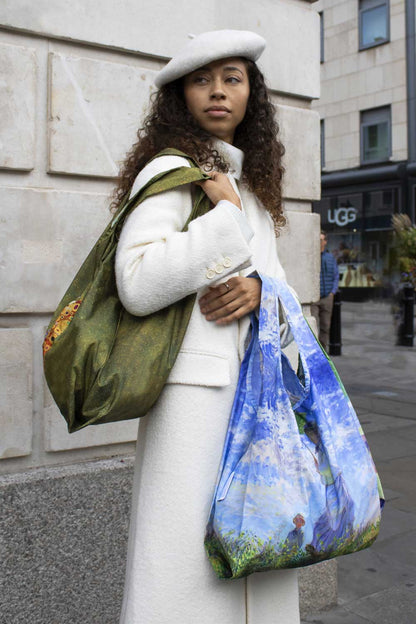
x: 322, y: 135
x: 365, y: 124
x: 369, y: 5
x: 322, y: 35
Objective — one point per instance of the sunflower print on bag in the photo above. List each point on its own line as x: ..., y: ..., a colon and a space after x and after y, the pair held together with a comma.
x: 61, y: 323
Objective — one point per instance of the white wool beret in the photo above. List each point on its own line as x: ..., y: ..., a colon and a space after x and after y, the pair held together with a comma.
x: 211, y: 46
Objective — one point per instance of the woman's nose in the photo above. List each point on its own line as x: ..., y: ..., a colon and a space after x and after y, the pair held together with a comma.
x: 217, y: 91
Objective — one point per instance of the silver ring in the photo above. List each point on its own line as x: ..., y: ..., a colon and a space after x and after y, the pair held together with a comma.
x: 226, y: 284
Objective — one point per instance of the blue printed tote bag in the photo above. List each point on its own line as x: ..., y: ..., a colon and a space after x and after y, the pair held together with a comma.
x: 297, y: 482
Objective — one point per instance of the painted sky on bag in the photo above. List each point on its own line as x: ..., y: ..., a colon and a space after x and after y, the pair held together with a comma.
x: 275, y: 467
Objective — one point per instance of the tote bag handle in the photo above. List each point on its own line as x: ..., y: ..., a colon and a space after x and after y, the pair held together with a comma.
x: 309, y: 349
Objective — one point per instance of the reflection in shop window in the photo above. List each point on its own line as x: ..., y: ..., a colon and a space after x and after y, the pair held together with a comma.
x: 376, y: 135
x: 379, y: 206
x: 359, y: 236
x: 374, y: 23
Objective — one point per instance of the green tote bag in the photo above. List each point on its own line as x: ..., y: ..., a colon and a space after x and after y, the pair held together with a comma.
x: 101, y: 363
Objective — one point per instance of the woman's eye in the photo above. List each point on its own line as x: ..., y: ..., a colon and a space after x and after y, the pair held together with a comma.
x: 233, y: 79
x: 200, y: 80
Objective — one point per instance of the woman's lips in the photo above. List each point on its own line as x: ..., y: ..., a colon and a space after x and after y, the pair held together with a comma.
x: 217, y: 112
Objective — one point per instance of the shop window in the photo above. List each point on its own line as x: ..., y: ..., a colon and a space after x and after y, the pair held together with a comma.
x: 359, y: 236
x: 340, y: 213
x: 374, y: 23
x: 322, y: 143
x: 376, y: 135
x: 379, y: 206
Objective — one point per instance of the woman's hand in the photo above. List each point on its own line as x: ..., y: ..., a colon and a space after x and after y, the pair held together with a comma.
x: 219, y: 187
x: 226, y: 304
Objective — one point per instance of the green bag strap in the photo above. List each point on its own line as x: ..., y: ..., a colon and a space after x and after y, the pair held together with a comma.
x: 165, y: 181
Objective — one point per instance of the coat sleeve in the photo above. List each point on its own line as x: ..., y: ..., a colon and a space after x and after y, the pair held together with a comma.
x: 158, y: 264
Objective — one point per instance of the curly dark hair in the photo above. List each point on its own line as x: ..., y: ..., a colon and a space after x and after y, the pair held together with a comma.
x: 170, y: 124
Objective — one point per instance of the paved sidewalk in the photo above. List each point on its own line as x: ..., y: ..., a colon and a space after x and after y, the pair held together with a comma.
x: 378, y: 585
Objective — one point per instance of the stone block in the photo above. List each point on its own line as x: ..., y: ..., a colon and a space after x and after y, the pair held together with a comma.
x: 394, y: 74
x: 375, y: 79
x: 18, y: 107
x: 340, y: 125
x: 398, y: 49
x: 367, y: 59
x: 384, y: 98
x: 298, y: 246
x: 341, y: 88
x: 350, y: 146
x: 327, y: 94
x: 344, y: 12
x: 353, y: 37
x: 333, y: 150
x: 399, y: 94
x: 95, y: 110
x: 356, y: 84
x: 384, y: 54
x: 338, y: 47
x: 328, y: 16
x: 318, y: 587
x: 43, y: 242
x: 399, y: 137
x: 367, y: 101
x: 57, y: 437
x: 350, y: 105
x: 297, y: 206
x: 63, y: 535
x: 397, y: 26
x: 292, y: 30
x: 349, y: 64
x: 16, y: 395
x: 300, y: 134
x: 331, y: 69
x: 399, y: 113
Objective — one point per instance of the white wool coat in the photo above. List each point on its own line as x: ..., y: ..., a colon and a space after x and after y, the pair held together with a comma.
x: 169, y: 579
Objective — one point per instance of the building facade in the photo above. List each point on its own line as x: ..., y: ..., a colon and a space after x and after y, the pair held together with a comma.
x: 368, y: 139
x: 76, y: 77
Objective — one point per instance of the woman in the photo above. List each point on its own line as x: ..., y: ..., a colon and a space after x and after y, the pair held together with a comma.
x: 212, y: 105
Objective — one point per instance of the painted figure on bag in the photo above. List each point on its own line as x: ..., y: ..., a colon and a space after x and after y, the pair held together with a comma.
x: 295, y: 537
x: 337, y: 520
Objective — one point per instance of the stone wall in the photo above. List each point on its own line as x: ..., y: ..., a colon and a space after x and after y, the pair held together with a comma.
x: 75, y: 86
x: 352, y: 81
x: 75, y: 81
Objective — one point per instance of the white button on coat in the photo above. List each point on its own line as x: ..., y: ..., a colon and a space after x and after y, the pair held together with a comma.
x: 210, y: 274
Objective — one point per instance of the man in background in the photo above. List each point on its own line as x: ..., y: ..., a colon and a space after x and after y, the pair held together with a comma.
x: 322, y: 309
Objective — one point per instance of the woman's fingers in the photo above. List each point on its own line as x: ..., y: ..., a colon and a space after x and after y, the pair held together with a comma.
x: 219, y: 295
x: 219, y: 187
x: 234, y: 316
x: 216, y: 297
x: 224, y: 305
x: 238, y: 307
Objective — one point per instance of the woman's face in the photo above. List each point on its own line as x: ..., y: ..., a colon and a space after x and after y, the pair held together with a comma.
x: 216, y: 96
